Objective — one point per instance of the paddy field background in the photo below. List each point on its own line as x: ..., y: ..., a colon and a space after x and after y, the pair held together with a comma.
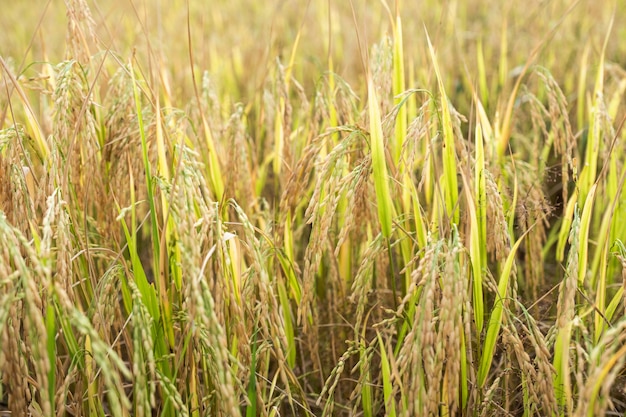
x: 312, y: 208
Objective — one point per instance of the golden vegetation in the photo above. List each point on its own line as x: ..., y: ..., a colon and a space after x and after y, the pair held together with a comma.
x: 312, y: 208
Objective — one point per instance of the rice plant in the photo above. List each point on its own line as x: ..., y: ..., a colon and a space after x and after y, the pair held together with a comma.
x: 312, y: 208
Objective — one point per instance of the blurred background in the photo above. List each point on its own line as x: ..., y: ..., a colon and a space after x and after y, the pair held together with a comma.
x: 235, y: 40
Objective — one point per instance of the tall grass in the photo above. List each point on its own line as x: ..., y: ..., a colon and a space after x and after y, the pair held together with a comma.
x: 263, y: 209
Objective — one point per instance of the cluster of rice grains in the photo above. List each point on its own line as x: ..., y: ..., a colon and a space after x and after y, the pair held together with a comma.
x: 435, y: 233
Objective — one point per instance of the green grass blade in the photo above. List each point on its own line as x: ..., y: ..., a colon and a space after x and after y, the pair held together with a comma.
x: 566, y: 224
x: 495, y: 321
x: 450, y: 182
x: 51, y: 331
x: 585, y: 224
x: 251, y: 409
x: 476, y: 258
x: 390, y: 404
x: 379, y: 164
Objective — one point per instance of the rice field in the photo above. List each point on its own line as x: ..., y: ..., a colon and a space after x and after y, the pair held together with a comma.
x: 312, y: 208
